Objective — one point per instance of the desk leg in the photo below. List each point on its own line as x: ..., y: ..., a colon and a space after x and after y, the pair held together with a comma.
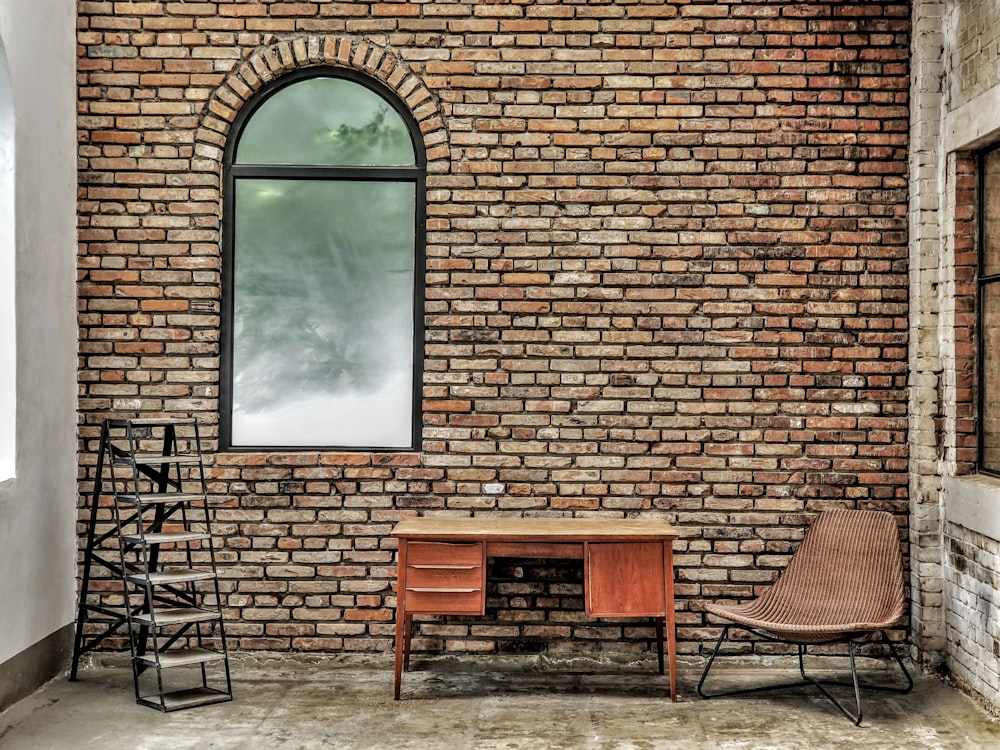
x: 407, y: 640
x: 658, y: 621
x: 403, y: 621
x: 400, y: 647
x: 671, y: 616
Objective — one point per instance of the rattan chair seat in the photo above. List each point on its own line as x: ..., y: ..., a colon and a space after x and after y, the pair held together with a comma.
x: 846, y: 577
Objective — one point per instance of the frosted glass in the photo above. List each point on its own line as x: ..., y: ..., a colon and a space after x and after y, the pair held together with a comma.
x: 326, y: 121
x: 323, y: 313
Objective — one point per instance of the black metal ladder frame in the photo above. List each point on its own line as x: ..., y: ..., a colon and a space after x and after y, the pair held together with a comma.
x: 113, y: 457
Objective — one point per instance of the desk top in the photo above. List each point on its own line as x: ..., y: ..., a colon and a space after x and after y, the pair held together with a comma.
x: 504, y: 528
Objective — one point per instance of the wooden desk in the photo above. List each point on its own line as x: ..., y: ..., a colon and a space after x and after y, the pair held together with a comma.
x: 628, y: 569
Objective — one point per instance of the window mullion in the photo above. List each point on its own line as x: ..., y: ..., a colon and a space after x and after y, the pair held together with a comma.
x: 317, y: 172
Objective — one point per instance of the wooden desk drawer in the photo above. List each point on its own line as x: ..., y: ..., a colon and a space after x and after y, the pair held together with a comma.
x: 547, y: 550
x: 445, y: 601
x: 444, y: 553
x: 444, y: 576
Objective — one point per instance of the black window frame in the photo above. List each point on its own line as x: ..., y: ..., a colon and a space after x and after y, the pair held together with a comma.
x: 417, y: 174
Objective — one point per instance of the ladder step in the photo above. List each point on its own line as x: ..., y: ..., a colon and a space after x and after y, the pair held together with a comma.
x: 182, y: 657
x: 169, y: 577
x: 161, y: 497
x: 200, y: 696
x: 177, y: 616
x: 151, y: 422
x: 155, y: 459
x: 166, y: 537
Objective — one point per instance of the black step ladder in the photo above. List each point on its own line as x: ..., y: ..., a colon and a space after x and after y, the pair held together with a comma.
x: 165, y: 561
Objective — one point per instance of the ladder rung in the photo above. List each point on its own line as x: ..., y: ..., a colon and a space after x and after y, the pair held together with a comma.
x: 151, y: 421
x: 166, y: 537
x: 186, y: 699
x: 161, y: 497
x: 168, y: 577
x: 177, y: 615
x: 182, y: 657
x: 154, y: 459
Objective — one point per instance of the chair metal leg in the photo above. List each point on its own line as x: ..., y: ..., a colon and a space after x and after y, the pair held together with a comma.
x: 902, y: 668
x: 856, y: 684
x: 741, y: 691
x: 857, y: 689
x: 821, y: 685
x: 711, y: 661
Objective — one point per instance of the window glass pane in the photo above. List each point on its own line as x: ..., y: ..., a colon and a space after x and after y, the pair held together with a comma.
x: 991, y: 212
x: 991, y: 377
x: 326, y: 121
x: 323, y: 313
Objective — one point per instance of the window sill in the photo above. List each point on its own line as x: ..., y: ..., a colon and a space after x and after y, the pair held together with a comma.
x: 973, y: 502
x: 318, y: 457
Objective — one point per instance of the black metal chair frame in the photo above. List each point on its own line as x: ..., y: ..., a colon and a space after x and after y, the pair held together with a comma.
x: 851, y: 639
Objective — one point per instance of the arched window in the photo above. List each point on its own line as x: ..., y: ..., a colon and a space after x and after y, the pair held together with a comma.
x: 324, y: 207
x: 8, y: 322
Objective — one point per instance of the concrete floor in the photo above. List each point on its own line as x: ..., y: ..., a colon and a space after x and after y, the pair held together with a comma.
x: 346, y: 702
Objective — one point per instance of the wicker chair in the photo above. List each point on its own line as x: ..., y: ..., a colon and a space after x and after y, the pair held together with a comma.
x: 844, y: 584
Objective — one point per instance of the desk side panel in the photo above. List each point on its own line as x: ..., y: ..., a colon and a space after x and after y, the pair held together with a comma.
x: 625, y: 579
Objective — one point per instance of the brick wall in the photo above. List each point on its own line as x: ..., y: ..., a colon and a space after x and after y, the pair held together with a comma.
x: 666, y: 275
x: 929, y: 401
x: 971, y: 550
x: 966, y: 259
x: 973, y: 635
x: 953, y: 540
x: 974, y: 55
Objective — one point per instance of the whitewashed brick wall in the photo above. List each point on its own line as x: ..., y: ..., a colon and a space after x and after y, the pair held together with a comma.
x: 955, y: 515
x: 926, y: 178
x: 972, y: 565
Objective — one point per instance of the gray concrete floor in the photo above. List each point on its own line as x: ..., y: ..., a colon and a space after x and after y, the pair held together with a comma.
x: 484, y: 702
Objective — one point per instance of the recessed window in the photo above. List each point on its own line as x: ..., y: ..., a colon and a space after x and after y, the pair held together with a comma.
x: 989, y: 311
x: 8, y: 326
x: 323, y: 259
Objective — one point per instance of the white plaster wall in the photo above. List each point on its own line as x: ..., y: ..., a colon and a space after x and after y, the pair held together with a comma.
x: 8, y: 333
x: 38, y: 506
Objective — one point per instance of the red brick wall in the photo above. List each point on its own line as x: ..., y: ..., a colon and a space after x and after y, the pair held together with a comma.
x: 966, y: 269
x: 666, y: 275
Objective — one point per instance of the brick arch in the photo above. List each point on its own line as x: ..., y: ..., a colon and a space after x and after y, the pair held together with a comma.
x: 265, y: 64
